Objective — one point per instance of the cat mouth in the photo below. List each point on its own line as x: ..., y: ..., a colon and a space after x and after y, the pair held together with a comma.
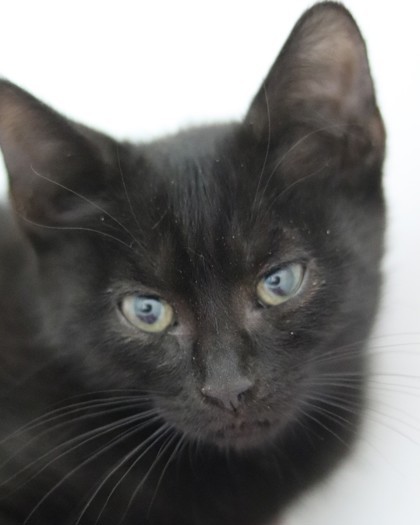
x: 242, y: 433
x: 241, y: 430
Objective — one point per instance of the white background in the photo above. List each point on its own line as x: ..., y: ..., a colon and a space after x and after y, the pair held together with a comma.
x: 137, y: 69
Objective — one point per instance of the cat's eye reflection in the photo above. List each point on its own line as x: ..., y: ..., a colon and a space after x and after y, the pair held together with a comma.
x: 149, y: 314
x: 281, y: 285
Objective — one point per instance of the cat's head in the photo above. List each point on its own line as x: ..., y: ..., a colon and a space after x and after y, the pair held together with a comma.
x: 226, y: 271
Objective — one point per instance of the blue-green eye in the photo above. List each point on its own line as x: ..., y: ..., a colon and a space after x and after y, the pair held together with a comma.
x: 279, y: 286
x: 147, y: 313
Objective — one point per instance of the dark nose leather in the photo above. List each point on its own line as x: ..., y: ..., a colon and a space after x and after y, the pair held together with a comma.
x: 227, y: 395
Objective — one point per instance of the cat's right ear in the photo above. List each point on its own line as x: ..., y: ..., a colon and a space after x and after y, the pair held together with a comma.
x: 49, y: 159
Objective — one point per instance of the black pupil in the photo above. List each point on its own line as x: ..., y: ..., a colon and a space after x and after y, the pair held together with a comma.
x: 275, y: 280
x: 146, y: 308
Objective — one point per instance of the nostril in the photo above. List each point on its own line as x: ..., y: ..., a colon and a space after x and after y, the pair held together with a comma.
x: 228, y: 395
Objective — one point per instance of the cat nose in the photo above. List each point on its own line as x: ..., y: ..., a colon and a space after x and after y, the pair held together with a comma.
x: 229, y: 395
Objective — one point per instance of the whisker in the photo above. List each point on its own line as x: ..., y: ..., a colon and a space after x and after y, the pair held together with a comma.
x: 304, y: 178
x: 181, y: 442
x: 335, y: 402
x: 266, y: 152
x: 371, y: 374
x: 347, y: 351
x: 353, y: 383
x: 156, y: 224
x: 335, y: 417
x: 54, y: 428
x: 131, y: 391
x: 152, y: 438
x: 74, y: 228
x: 63, y: 412
x: 125, y: 187
x: 92, y: 203
x: 99, y: 452
x: 322, y: 425
x: 287, y: 153
x: 306, y: 428
x: 138, y: 396
x: 86, y: 437
x: 160, y: 453
x: 347, y: 424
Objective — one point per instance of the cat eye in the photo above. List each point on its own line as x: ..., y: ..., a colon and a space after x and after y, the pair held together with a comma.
x: 149, y: 314
x: 281, y: 285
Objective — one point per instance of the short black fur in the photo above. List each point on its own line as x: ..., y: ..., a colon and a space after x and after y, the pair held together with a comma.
x: 102, y: 423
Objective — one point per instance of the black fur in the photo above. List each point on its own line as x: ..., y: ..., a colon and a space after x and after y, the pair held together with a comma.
x: 197, y: 219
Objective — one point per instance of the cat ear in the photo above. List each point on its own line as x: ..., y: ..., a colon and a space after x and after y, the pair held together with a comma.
x: 321, y: 82
x: 49, y: 159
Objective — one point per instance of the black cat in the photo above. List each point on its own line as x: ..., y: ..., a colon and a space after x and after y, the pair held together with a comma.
x: 184, y: 323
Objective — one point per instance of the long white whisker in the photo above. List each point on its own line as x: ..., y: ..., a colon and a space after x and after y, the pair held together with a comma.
x: 322, y: 425
x: 162, y: 450
x: 86, y: 437
x: 101, y: 451
x: 335, y: 402
x: 65, y: 412
x: 152, y: 438
x: 171, y: 457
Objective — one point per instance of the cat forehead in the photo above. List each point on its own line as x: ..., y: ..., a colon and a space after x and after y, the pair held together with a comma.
x: 191, y: 178
x: 199, y: 192
x: 179, y: 253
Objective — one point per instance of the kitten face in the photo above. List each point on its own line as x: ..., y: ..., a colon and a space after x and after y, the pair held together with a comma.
x: 199, y: 222
x: 228, y: 370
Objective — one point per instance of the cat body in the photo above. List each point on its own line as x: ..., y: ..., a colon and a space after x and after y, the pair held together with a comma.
x: 184, y: 322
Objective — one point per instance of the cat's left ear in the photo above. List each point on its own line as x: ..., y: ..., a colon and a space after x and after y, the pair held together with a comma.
x: 49, y: 159
x: 321, y: 83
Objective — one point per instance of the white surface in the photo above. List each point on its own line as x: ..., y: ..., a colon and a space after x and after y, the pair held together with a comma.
x: 136, y: 69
